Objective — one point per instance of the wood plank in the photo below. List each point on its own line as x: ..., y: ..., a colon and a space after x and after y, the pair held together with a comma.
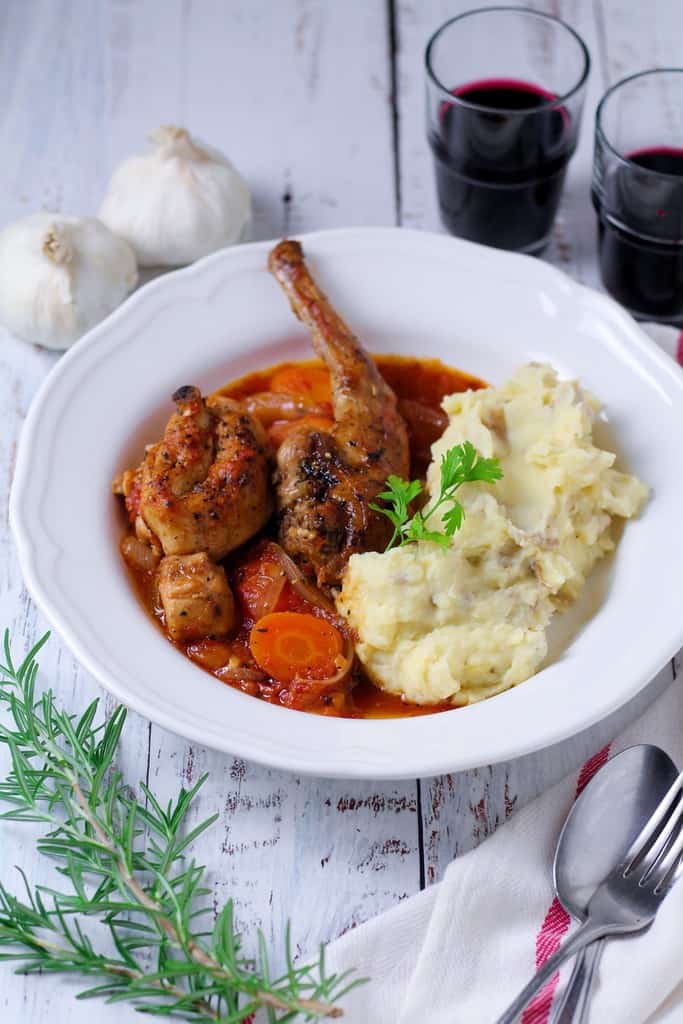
x: 637, y: 37
x: 272, y: 87
x: 52, y: 137
x: 459, y: 811
x: 321, y: 157
x: 573, y: 241
x: 297, y: 94
x: 284, y: 843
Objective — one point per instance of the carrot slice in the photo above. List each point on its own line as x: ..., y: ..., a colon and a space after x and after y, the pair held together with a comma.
x: 281, y: 429
x: 313, y: 381
x: 292, y: 645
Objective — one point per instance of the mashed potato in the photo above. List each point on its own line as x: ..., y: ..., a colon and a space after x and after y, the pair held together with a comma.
x: 462, y: 624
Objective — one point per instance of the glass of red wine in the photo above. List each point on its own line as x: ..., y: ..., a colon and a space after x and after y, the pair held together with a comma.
x: 505, y: 89
x: 638, y: 193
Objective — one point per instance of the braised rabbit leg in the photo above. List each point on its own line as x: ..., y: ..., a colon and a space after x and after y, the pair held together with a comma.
x: 326, y: 480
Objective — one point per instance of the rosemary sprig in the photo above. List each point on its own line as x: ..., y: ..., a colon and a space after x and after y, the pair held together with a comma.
x: 125, y: 866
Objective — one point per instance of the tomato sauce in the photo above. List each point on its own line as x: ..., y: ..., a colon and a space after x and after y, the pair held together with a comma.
x: 419, y: 385
x: 255, y: 575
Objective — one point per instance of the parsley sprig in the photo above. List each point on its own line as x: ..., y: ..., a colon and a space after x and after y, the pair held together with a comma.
x: 460, y: 465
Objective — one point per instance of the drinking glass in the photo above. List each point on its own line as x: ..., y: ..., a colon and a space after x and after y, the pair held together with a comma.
x: 638, y: 193
x: 505, y: 90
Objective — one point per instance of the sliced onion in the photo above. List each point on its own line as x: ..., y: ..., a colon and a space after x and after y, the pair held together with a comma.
x: 345, y: 666
x: 240, y: 674
x: 248, y: 680
x: 304, y: 693
x: 270, y: 596
x: 303, y: 588
x: 421, y: 415
x: 139, y: 555
x: 269, y: 406
x: 314, y: 597
x: 289, y: 571
x: 425, y: 425
x: 211, y: 654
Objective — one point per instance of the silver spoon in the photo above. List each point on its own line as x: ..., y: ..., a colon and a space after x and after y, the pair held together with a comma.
x: 633, y: 783
x: 602, y: 826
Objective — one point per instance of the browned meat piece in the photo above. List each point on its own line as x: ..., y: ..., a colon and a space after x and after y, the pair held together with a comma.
x: 204, y: 487
x: 195, y: 596
x: 326, y: 481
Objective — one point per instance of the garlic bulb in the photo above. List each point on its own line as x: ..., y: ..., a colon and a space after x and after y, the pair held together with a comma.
x: 177, y: 203
x: 59, y: 276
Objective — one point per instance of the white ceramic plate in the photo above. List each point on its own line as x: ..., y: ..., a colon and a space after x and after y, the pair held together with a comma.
x: 479, y: 309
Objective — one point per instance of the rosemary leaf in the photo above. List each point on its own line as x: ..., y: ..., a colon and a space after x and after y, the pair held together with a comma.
x: 124, y: 864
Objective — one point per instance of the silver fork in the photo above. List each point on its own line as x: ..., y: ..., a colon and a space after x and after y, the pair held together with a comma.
x: 573, y: 1006
x: 629, y: 897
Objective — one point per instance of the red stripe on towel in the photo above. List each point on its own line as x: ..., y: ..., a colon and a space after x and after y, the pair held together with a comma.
x: 556, y: 921
x: 553, y: 929
x: 679, y: 349
x: 593, y: 765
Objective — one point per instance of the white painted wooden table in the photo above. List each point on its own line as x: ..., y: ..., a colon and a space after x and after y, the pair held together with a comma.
x: 320, y: 104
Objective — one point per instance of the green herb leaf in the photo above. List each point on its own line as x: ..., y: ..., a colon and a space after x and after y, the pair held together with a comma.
x: 462, y: 464
x: 417, y: 530
x: 123, y: 862
x: 452, y: 519
x: 399, y: 494
x: 459, y: 465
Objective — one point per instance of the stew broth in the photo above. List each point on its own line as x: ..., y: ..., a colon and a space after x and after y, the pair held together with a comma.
x: 420, y: 385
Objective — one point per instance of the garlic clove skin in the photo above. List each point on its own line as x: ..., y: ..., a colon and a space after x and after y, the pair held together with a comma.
x: 177, y: 203
x: 59, y: 276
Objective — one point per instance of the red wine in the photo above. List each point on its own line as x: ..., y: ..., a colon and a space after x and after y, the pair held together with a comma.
x: 501, y: 159
x: 640, y: 233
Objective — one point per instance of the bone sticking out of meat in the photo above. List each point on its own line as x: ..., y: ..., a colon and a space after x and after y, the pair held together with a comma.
x: 327, y: 480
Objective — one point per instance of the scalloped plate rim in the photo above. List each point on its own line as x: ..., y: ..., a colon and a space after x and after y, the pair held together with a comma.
x: 352, y: 758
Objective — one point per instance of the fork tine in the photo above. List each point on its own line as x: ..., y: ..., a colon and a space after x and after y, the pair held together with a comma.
x: 664, y: 867
x: 677, y: 874
x: 663, y: 842
x: 644, y: 839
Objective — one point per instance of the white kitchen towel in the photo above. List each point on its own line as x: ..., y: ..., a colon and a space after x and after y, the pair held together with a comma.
x: 460, y: 951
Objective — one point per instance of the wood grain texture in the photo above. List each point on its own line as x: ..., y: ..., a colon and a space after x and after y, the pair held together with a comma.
x: 459, y: 811
x: 270, y: 85
x: 572, y: 246
x: 308, y: 153
x: 321, y: 107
